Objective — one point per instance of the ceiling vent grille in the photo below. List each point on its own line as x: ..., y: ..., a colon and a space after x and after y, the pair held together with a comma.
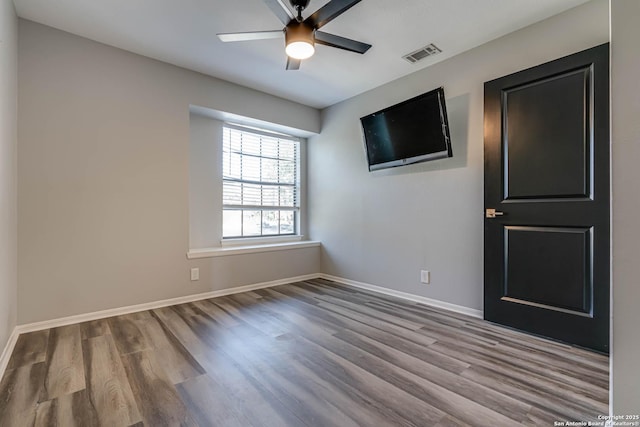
x: 424, y: 52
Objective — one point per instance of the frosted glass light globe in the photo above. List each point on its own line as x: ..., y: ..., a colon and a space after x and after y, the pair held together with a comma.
x: 300, y: 50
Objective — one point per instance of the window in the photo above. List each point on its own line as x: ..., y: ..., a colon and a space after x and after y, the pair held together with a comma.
x: 260, y: 183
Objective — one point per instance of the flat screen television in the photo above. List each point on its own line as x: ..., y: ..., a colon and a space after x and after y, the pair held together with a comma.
x: 415, y: 130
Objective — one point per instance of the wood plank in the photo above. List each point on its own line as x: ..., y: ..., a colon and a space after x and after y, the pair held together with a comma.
x: 409, y: 335
x: 419, y: 315
x: 342, y: 320
x: 516, y: 338
x: 247, y: 313
x: 70, y: 410
x: 348, y: 310
x: 408, y: 409
x: 374, y: 312
x: 272, y: 366
x: 216, y: 313
x: 436, y: 396
x: 108, y: 385
x: 478, y: 393
x: 176, y: 361
x: 209, y: 332
x: 47, y: 414
x: 157, y: 398
x: 181, y: 330
x: 401, y: 309
x: 127, y: 334
x: 347, y: 400
x: 139, y: 315
x: 538, y: 417
x: 65, y: 364
x: 29, y: 349
x: 561, y: 408
x: 572, y: 378
x: 20, y: 389
x: 570, y: 358
x: 524, y: 376
x: 210, y: 404
x: 450, y: 421
x: 264, y: 368
x: 75, y: 410
x: 274, y: 359
x: 95, y: 328
x: 431, y: 393
x: 287, y: 305
x: 298, y: 380
x: 327, y: 285
x: 247, y: 395
x: 351, y: 404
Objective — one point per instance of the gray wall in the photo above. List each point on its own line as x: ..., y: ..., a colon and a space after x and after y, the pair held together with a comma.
x: 103, y: 177
x: 8, y: 170
x: 382, y: 228
x: 625, y: 129
x: 205, y: 182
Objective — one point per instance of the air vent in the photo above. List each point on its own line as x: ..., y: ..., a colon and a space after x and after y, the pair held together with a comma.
x: 424, y: 52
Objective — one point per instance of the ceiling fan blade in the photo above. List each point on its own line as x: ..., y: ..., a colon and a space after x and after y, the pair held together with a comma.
x: 341, y: 42
x: 293, y: 64
x: 329, y: 11
x: 251, y: 35
x: 280, y: 10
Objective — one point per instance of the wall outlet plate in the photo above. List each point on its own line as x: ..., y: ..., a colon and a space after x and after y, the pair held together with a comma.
x: 195, y: 274
x: 425, y: 276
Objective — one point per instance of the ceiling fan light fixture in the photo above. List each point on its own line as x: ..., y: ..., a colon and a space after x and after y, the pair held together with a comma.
x: 299, y: 41
x: 300, y: 50
x: 301, y: 34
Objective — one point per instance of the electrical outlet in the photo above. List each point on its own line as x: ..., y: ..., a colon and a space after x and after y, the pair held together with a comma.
x: 425, y: 276
x: 195, y: 274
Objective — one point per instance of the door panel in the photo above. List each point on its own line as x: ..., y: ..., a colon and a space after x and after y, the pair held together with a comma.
x: 547, y: 170
x: 537, y: 258
x: 547, y: 126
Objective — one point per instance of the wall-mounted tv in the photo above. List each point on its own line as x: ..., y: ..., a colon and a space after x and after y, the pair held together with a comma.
x: 412, y: 131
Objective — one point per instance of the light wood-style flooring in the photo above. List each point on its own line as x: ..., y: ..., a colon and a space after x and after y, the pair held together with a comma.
x: 307, y: 354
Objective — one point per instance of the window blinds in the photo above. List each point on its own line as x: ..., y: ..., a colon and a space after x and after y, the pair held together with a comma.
x: 260, y: 183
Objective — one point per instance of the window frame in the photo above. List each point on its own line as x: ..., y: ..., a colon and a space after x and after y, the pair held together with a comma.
x: 297, y: 188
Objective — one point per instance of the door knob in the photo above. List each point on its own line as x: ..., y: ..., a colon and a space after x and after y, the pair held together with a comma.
x: 492, y: 213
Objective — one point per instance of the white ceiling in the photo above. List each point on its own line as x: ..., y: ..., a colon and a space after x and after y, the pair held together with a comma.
x: 184, y: 33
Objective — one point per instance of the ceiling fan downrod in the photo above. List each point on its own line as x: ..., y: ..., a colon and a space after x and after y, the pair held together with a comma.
x: 299, y: 6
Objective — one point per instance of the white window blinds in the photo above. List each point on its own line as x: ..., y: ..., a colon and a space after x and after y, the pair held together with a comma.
x: 260, y: 183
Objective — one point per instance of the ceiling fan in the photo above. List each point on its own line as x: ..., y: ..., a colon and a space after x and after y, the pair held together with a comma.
x: 301, y: 34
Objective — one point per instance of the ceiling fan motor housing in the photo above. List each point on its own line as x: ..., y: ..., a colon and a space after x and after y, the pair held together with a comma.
x: 298, y: 31
x: 301, y: 35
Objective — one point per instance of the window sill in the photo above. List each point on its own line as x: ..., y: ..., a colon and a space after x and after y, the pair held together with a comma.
x: 240, y: 250
x: 263, y: 240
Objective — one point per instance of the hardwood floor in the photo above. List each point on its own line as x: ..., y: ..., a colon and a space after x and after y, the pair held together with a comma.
x: 307, y: 354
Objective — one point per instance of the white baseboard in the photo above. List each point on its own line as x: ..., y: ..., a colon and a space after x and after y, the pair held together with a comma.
x: 79, y: 318
x: 404, y: 295
x: 8, y: 349
x: 85, y: 317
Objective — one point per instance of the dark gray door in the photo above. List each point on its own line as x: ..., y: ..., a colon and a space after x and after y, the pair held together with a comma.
x: 547, y: 177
